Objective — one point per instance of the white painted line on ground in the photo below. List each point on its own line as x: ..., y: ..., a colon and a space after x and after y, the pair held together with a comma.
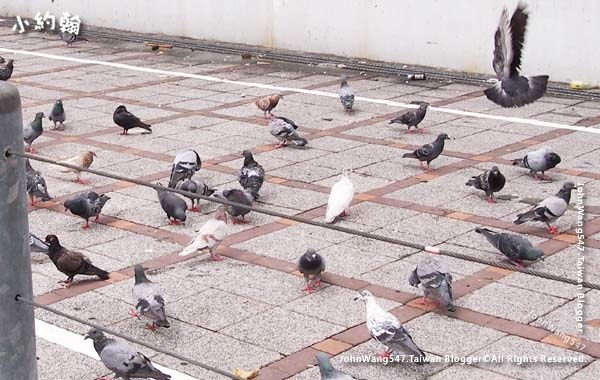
x: 392, y: 103
x: 75, y: 342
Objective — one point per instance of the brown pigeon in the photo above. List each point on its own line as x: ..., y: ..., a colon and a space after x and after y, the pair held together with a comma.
x: 267, y: 103
x: 71, y: 263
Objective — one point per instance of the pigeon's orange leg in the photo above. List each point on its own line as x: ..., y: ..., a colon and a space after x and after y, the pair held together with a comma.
x: 152, y: 326
x: 134, y: 313
x: 216, y: 257
x: 385, y: 354
x: 86, y: 226
x: 553, y: 230
x: 491, y: 199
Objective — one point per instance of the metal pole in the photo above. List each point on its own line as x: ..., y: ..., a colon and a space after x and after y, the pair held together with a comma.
x: 17, y: 333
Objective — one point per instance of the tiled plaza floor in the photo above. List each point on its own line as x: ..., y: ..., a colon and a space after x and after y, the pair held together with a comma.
x: 249, y: 311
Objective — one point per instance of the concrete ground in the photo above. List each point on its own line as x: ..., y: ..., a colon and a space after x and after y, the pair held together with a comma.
x: 249, y: 311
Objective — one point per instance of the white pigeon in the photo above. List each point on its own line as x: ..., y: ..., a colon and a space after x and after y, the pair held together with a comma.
x: 340, y: 198
x: 210, y: 236
x: 385, y: 328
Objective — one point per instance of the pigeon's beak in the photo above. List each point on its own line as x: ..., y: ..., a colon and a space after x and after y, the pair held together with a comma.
x: 357, y: 298
x: 86, y: 336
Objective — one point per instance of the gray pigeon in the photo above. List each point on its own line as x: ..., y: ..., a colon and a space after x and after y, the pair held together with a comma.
x: 386, y: 329
x: 490, y: 181
x: 327, y: 370
x: 435, y: 281
x: 237, y: 196
x: 429, y: 152
x: 549, y: 209
x: 36, y: 184
x: 412, y: 118
x: 149, y: 300
x: 87, y: 205
x: 122, y: 359
x: 513, y: 89
x: 71, y: 38
x: 286, y: 130
x: 36, y: 244
x: 185, y: 165
x: 173, y: 205
x: 195, y: 186
x: 6, y: 71
x: 539, y: 161
x: 515, y: 247
x: 32, y: 131
x: 346, y: 94
x: 57, y: 115
x: 252, y: 175
x: 311, y: 265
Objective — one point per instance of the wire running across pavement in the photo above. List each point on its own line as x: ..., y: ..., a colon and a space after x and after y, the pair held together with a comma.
x: 299, y: 219
x: 207, y: 367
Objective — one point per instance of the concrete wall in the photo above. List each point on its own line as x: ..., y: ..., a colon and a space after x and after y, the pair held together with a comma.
x: 562, y: 40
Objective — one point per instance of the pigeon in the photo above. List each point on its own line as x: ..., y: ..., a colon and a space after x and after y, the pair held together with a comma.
x: 252, y: 175
x: 70, y: 262
x: 386, y: 329
x: 57, y: 115
x: 6, y: 71
x: 327, y: 370
x: 36, y: 184
x: 122, y: 359
x: 490, y: 181
x: 149, y: 301
x: 346, y: 94
x: 513, y: 89
x: 37, y: 245
x: 84, y: 160
x: 267, y: 103
x: 195, y: 186
x: 516, y: 248
x: 184, y: 166
x: 549, y: 209
x: 87, y: 205
x: 435, y: 281
x: 71, y: 38
x: 539, y: 161
x: 286, y: 130
x: 311, y: 265
x: 210, y: 235
x: 340, y: 198
x: 412, y: 118
x: 173, y: 205
x: 127, y: 120
x: 32, y: 131
x: 429, y: 152
x: 237, y: 196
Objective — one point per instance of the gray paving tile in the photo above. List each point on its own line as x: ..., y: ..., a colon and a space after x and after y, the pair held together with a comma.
x: 336, y: 305
x: 264, y: 329
x: 80, y: 366
x: 520, y: 347
x: 458, y: 371
x: 563, y: 320
x: 215, y: 309
x: 442, y: 335
x: 588, y: 372
x: 515, y: 304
